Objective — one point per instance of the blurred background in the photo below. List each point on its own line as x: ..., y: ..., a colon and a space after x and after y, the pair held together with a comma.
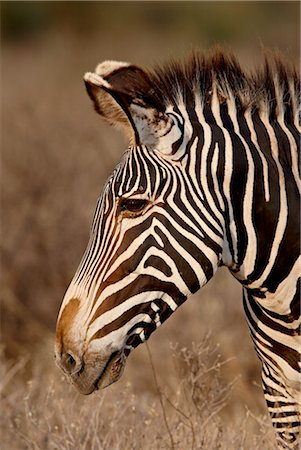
x: 55, y: 156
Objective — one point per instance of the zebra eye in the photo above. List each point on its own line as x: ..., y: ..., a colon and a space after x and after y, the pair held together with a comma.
x: 133, y: 205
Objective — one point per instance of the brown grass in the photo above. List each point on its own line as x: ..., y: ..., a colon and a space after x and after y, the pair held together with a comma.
x: 56, y: 154
x: 45, y: 412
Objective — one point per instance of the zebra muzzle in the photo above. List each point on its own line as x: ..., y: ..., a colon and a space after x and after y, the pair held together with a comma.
x: 98, y: 374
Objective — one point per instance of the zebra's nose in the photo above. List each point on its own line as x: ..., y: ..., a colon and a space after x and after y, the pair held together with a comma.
x: 70, y: 363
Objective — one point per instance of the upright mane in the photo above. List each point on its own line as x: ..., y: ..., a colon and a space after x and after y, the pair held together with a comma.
x: 275, y: 86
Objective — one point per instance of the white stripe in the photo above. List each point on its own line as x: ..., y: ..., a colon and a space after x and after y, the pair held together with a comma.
x: 139, y: 299
x: 248, y: 263
x: 204, y: 157
x: 215, y: 106
x: 114, y: 341
x: 265, y: 168
x: 214, y: 166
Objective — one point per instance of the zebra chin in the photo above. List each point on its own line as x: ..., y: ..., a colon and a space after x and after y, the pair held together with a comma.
x: 98, y: 373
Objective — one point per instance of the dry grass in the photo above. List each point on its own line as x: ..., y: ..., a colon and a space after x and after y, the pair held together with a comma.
x: 45, y: 412
x: 56, y: 154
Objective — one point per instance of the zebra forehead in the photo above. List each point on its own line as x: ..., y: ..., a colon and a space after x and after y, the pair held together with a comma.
x: 138, y: 170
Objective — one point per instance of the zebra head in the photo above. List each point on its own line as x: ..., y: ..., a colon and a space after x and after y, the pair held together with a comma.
x: 155, y: 237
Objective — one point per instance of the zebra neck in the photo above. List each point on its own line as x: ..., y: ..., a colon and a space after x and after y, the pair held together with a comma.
x: 245, y: 170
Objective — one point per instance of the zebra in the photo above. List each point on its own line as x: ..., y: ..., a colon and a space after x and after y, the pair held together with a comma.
x: 210, y: 178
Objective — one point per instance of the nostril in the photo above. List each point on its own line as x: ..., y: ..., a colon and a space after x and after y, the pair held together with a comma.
x: 70, y: 363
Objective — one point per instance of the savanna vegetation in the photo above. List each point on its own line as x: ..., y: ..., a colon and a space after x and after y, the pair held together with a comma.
x: 196, y: 384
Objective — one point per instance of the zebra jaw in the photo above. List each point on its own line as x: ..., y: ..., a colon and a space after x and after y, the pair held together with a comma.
x: 111, y: 372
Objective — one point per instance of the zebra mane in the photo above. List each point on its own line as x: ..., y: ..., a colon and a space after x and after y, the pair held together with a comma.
x: 274, y: 87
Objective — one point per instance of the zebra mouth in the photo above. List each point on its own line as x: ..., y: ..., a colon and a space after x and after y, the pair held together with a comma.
x: 111, y: 372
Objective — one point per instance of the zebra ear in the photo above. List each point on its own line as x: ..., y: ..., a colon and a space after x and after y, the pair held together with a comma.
x: 122, y: 94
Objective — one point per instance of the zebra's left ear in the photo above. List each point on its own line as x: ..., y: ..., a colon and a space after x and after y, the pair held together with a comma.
x: 123, y: 95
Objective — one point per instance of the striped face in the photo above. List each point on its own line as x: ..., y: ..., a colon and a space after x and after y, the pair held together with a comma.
x: 146, y: 254
x: 154, y: 239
